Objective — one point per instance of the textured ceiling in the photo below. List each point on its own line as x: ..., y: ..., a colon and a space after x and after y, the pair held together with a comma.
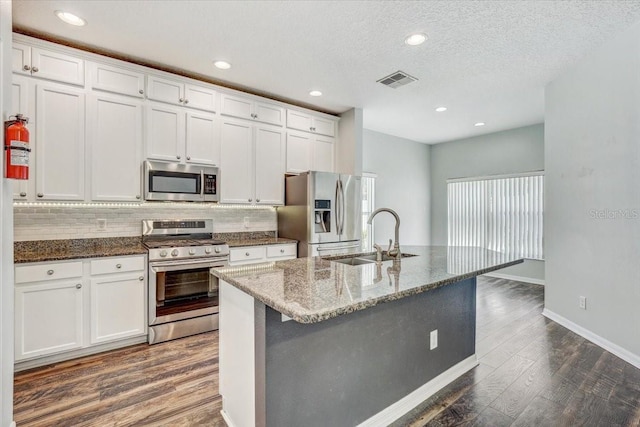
x: 485, y: 60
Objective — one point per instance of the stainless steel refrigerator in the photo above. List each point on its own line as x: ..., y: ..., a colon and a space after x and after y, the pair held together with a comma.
x: 323, y: 212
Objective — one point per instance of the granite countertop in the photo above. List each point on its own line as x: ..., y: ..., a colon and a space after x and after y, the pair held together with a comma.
x: 58, y: 250
x: 310, y: 290
x: 260, y: 241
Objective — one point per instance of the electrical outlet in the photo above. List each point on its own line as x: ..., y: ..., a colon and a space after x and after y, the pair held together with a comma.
x: 246, y: 222
x: 582, y: 302
x: 102, y: 224
x: 433, y: 339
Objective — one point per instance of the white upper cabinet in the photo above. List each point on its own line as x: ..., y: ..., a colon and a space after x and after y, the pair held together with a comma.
x: 252, y: 163
x: 47, y: 64
x: 307, y: 151
x: 310, y: 123
x: 117, y: 80
x: 180, y: 93
x: 176, y: 135
x: 60, y: 142
x: 323, y: 156
x: 246, y: 108
x: 114, y: 137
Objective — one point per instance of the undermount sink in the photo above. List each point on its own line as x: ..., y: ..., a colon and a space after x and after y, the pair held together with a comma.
x: 367, y: 258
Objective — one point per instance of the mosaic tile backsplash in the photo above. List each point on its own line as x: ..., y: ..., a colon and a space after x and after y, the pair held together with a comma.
x: 80, y: 221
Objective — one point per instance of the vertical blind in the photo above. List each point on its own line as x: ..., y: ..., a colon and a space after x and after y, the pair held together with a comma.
x: 503, y: 214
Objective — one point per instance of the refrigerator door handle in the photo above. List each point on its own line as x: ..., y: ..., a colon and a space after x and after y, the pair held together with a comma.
x: 341, y: 207
x: 338, y: 209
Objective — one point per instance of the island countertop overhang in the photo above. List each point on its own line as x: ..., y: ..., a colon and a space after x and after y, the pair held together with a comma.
x: 311, y: 290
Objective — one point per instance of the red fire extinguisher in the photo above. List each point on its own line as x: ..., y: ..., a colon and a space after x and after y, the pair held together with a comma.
x: 16, y: 145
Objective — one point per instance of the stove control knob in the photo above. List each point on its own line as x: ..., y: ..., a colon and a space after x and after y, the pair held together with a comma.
x: 174, y: 252
x: 163, y: 253
x: 207, y: 250
x: 192, y: 251
x: 217, y: 250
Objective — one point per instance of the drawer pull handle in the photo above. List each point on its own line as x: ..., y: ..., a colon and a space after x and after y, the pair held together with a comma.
x: 281, y: 251
x: 247, y: 254
x: 78, y: 286
x: 118, y: 265
x: 141, y: 278
x: 50, y: 272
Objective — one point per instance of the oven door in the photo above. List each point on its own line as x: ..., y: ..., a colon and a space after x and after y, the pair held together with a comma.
x: 182, y: 290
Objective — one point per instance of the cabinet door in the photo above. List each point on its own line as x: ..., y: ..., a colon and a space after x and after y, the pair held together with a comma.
x: 117, y: 80
x: 165, y: 90
x: 298, y: 120
x: 324, y: 126
x: 269, y: 113
x: 323, y: 154
x: 21, y: 59
x: 270, y: 165
x: 57, y: 66
x: 48, y: 318
x: 203, y: 139
x: 236, y: 162
x: 236, y: 106
x: 115, y: 148
x: 60, y: 114
x: 199, y: 97
x: 20, y: 104
x: 118, y: 305
x: 298, y: 152
x: 165, y: 132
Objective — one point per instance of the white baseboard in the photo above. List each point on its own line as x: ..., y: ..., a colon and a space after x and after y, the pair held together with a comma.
x: 226, y: 419
x: 413, y: 399
x: 622, y: 353
x: 516, y: 278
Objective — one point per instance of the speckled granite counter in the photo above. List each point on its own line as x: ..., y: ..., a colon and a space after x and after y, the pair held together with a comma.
x: 57, y: 250
x: 311, y: 290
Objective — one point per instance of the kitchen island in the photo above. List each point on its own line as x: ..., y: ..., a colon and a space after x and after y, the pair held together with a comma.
x: 312, y: 341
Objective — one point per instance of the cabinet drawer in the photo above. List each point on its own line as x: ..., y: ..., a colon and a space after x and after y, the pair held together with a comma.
x: 247, y: 254
x: 52, y: 271
x: 278, y: 251
x: 117, y: 265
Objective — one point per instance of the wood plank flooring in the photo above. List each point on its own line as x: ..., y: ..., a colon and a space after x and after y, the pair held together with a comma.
x: 532, y: 372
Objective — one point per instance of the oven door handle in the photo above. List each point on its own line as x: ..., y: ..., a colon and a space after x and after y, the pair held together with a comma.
x: 185, y: 265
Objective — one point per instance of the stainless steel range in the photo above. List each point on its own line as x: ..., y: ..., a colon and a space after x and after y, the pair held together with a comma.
x: 183, y: 294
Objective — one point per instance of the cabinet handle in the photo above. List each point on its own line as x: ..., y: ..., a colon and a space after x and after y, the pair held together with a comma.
x: 181, y: 100
x: 23, y: 194
x: 141, y: 92
x: 311, y: 129
x: 258, y: 200
x: 188, y: 157
x: 26, y: 67
x: 250, y: 200
x: 78, y: 286
x: 40, y: 195
x: 50, y: 272
x: 141, y: 278
x: 246, y: 254
x: 118, y: 265
x: 178, y: 157
x: 138, y: 197
x: 34, y: 69
x: 281, y: 251
x: 186, y: 101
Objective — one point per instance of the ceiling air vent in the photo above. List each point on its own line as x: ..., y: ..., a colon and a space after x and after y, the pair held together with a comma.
x: 397, y: 79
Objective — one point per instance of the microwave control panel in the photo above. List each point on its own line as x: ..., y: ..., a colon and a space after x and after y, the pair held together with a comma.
x: 209, y: 184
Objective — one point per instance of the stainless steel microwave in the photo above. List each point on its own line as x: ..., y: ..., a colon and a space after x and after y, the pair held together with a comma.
x: 177, y: 182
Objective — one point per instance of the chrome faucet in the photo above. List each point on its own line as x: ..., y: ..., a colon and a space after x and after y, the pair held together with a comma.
x: 395, y: 252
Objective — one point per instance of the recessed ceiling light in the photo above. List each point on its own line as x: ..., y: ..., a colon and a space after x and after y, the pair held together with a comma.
x: 315, y: 93
x: 441, y: 109
x: 70, y: 18
x: 479, y: 124
x: 415, y: 39
x: 223, y: 65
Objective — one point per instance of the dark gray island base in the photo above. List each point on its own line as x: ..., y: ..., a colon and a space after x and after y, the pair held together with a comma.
x: 366, y: 360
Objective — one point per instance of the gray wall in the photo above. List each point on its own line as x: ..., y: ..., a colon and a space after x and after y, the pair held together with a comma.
x: 402, y: 167
x: 510, y: 151
x: 592, y: 162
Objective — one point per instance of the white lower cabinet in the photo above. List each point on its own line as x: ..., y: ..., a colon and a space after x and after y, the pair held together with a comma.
x: 65, y: 307
x: 265, y: 253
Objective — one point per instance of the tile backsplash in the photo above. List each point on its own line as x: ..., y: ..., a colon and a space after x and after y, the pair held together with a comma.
x: 51, y: 221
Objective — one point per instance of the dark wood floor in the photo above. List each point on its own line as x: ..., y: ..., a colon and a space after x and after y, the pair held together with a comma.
x: 532, y: 372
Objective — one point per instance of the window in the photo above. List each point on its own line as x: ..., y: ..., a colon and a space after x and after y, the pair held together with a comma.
x: 502, y: 213
x: 368, y: 206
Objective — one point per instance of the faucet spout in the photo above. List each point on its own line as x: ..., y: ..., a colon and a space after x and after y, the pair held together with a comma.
x: 395, y: 252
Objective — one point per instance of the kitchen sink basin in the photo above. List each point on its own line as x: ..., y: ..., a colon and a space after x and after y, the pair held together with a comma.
x: 366, y: 258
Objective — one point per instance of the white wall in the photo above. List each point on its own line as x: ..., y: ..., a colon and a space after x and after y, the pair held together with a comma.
x: 402, y: 167
x: 6, y: 231
x: 510, y: 151
x: 592, y: 224
x: 349, y: 149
